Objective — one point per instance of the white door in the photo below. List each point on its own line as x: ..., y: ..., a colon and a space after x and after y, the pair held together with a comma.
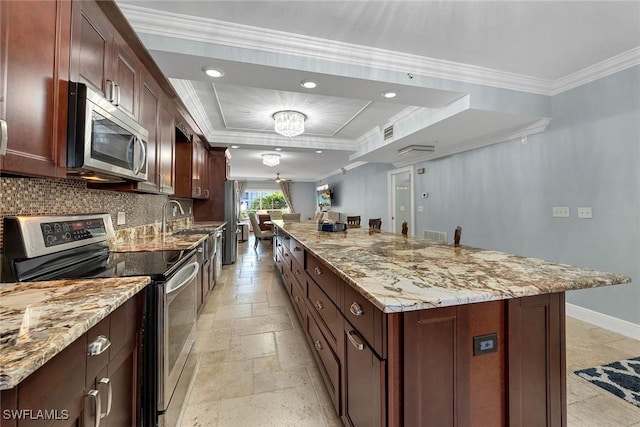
x: 401, y: 199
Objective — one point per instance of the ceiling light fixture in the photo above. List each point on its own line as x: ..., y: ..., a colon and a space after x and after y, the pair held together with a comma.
x: 389, y: 94
x: 410, y: 148
x: 289, y: 123
x: 278, y: 149
x: 308, y: 84
x: 319, y: 151
x: 270, y: 159
x: 213, y: 72
x: 235, y: 146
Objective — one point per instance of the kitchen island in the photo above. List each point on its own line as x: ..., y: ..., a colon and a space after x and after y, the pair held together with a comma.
x: 408, y: 331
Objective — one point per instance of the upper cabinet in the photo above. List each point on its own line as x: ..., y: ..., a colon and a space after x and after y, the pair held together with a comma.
x: 156, y: 116
x: 102, y: 59
x: 191, y: 165
x: 34, y: 70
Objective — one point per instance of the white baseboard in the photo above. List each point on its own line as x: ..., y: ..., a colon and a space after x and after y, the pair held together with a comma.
x: 614, y: 324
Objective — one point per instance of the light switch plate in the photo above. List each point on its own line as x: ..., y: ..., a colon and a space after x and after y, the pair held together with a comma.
x: 121, y: 218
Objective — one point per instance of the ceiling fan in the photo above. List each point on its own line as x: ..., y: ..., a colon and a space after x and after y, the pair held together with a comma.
x: 278, y: 179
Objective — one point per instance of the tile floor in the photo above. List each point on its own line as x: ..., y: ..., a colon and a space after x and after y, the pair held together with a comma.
x: 255, y: 368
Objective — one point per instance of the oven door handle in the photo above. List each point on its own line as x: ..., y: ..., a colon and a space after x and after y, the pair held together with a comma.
x: 175, y: 287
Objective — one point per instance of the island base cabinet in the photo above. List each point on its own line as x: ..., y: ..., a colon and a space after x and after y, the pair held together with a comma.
x: 364, y: 382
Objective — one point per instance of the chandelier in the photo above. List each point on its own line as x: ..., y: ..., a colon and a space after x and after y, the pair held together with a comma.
x: 289, y: 123
x: 270, y: 159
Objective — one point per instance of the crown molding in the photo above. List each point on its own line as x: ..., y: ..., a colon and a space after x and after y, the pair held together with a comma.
x: 628, y: 59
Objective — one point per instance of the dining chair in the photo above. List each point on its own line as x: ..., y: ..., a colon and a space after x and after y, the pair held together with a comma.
x: 353, y: 221
x: 375, y: 223
x: 258, y: 233
x: 262, y: 218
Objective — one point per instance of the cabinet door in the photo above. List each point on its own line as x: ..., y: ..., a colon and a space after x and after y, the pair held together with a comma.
x: 94, y: 48
x: 122, y: 375
x: 3, y: 81
x: 199, y: 187
x: 126, y: 75
x: 364, y: 382
x: 166, y: 150
x: 35, y: 68
x: 149, y: 104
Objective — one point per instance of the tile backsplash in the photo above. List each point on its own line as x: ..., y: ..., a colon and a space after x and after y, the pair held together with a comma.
x: 34, y: 196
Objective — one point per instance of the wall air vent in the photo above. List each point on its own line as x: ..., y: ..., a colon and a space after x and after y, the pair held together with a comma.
x: 388, y: 132
x: 438, y: 236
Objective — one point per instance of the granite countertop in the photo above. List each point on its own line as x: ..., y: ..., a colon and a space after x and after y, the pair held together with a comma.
x: 209, y: 225
x: 399, y: 273
x: 173, y: 241
x: 40, y: 319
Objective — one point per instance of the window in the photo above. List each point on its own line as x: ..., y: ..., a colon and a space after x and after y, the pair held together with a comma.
x: 262, y: 200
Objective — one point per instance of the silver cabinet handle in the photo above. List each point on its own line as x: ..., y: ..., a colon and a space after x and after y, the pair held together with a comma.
x: 319, y: 305
x: 297, y: 249
x: 206, y: 193
x: 355, y: 340
x: 106, y: 382
x: 355, y: 309
x: 111, y: 89
x: 95, y: 396
x: 317, y: 271
x: 99, y: 346
x: 296, y: 299
x: 117, y: 103
x: 318, y: 345
x: 296, y: 272
x: 3, y: 138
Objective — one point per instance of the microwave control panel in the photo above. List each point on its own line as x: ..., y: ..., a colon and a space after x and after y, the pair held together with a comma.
x: 61, y: 232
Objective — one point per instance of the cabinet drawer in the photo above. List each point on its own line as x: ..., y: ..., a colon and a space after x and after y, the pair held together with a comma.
x: 297, y: 251
x: 365, y: 318
x: 286, y: 240
x: 325, y: 278
x: 326, y: 359
x: 297, y: 298
x: 297, y: 272
x: 286, y: 258
x: 326, y: 313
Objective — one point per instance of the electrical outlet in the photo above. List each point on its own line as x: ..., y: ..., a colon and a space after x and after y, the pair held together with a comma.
x: 121, y: 218
x: 584, y: 212
x: 174, y: 210
x: 561, y: 212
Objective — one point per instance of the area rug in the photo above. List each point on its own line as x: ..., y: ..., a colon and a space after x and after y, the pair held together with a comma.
x: 621, y: 378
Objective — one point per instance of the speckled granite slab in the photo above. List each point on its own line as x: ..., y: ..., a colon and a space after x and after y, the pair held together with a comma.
x: 39, y: 319
x: 172, y: 242
x: 398, y: 273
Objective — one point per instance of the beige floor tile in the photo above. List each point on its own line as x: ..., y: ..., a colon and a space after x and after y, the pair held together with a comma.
x: 278, y: 380
x: 222, y: 381
x: 278, y: 321
x: 603, y: 411
x: 289, y: 407
x: 249, y: 346
x: 268, y: 364
x: 201, y: 415
x: 212, y: 340
x: 263, y: 309
x: 243, y: 298
x: 233, y: 311
x: 579, y: 389
x: 292, y: 349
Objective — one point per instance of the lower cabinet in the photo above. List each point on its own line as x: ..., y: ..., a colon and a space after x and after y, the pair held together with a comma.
x: 494, y: 363
x: 94, y: 381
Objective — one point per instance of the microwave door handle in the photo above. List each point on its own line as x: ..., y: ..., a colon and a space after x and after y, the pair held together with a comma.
x: 143, y: 155
x: 3, y: 138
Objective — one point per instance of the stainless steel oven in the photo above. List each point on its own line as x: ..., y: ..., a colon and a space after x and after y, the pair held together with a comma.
x: 103, y: 142
x: 175, y: 334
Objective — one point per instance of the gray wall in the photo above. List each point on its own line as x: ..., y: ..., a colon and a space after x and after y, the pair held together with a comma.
x: 589, y: 155
x: 361, y: 191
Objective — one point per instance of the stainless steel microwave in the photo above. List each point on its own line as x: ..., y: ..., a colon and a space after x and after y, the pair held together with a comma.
x: 104, y: 143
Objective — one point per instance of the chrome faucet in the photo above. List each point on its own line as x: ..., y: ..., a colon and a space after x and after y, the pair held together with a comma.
x: 164, y: 216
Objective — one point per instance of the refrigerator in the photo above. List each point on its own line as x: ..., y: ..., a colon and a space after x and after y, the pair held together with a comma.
x: 231, y: 212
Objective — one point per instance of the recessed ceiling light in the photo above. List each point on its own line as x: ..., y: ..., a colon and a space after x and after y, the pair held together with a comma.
x: 212, y: 72
x: 389, y: 94
x: 308, y: 84
x: 235, y: 146
x: 319, y: 151
x: 278, y: 149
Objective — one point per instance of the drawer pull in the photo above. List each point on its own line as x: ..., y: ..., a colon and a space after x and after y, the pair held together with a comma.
x: 296, y: 299
x: 296, y: 272
x: 297, y: 249
x: 354, y: 339
x: 99, y: 346
x: 95, y: 395
x: 106, y: 382
x: 286, y: 254
x: 317, y: 271
x: 318, y: 345
x: 319, y: 305
x: 355, y: 309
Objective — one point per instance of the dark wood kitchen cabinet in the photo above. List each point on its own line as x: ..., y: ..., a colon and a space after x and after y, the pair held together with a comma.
x: 212, y: 208
x: 191, y: 170
x: 158, y: 119
x: 102, y: 59
x: 71, y: 383
x: 34, y: 70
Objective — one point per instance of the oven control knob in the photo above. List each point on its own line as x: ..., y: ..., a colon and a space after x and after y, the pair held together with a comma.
x: 50, y: 239
x: 47, y: 228
x: 66, y: 236
x: 56, y: 227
